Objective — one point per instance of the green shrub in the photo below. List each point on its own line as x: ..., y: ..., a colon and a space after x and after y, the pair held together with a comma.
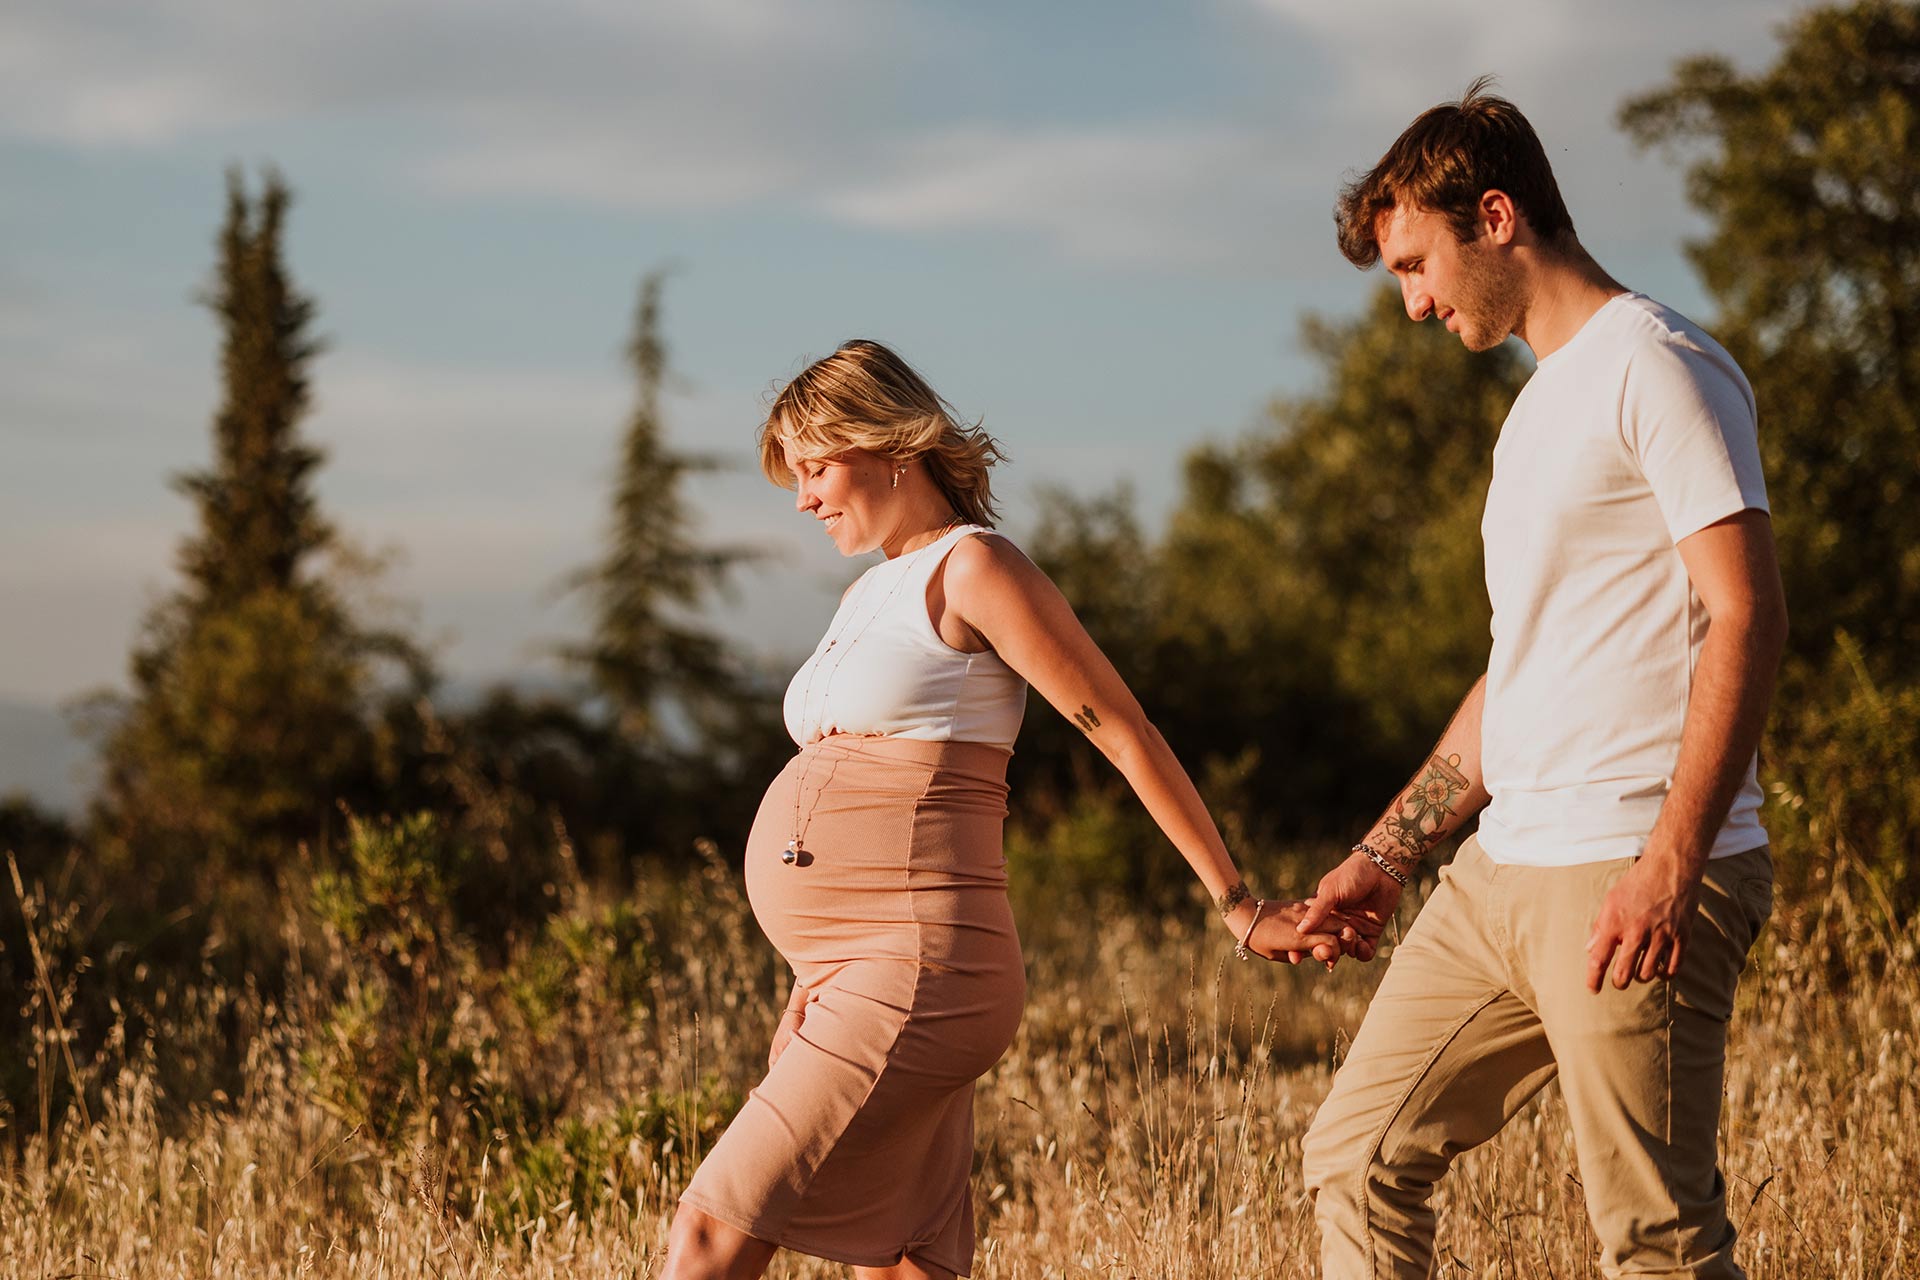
x: 394, y: 1049
x: 584, y: 1164
x: 1842, y: 794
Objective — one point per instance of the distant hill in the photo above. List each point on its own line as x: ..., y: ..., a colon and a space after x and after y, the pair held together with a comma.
x: 41, y: 756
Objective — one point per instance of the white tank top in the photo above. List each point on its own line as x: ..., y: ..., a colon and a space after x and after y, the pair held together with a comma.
x: 882, y: 669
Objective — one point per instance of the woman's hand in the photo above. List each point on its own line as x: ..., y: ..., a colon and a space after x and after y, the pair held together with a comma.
x: 1278, y: 935
x: 790, y: 1020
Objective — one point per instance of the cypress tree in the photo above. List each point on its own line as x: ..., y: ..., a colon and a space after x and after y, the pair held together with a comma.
x: 258, y: 520
x: 249, y: 718
x: 644, y: 650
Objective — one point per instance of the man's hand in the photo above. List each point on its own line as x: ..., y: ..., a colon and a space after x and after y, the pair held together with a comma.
x: 790, y: 1020
x: 1643, y: 924
x: 1360, y: 892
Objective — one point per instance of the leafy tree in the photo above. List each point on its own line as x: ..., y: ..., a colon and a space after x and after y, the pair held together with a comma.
x: 1095, y: 552
x: 1317, y: 607
x: 1351, y: 524
x: 252, y: 684
x: 1809, y: 171
x: 34, y: 835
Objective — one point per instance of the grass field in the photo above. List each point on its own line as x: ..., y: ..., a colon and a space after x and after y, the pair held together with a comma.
x: 1147, y: 1123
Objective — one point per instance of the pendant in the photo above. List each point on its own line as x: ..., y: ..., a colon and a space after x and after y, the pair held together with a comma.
x: 792, y: 853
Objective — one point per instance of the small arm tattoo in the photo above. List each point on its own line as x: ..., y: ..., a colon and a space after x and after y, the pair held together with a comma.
x: 1418, y: 819
x: 1086, y: 719
x: 1232, y: 898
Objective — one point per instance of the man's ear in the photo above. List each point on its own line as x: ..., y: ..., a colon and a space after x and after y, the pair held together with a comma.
x: 1498, y: 217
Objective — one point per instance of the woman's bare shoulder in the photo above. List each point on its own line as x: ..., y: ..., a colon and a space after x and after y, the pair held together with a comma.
x: 987, y: 557
x: 989, y: 569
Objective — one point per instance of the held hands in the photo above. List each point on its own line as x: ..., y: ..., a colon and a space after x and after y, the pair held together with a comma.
x: 1278, y: 935
x: 1362, y: 895
x: 1643, y: 924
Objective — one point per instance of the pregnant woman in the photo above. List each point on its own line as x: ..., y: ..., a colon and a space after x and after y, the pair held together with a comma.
x: 875, y: 864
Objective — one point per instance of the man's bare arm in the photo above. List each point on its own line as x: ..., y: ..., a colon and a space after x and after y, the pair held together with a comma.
x: 1446, y: 791
x: 1643, y: 924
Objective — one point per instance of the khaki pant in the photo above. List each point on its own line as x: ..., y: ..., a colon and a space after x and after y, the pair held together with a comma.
x: 1483, y: 1003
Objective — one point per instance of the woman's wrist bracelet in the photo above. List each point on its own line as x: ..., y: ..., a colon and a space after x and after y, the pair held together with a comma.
x: 1381, y: 861
x: 1244, y: 951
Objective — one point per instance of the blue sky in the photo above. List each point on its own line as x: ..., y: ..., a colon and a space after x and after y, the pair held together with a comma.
x: 1097, y: 225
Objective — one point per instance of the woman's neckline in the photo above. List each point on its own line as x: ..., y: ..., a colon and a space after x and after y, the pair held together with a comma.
x: 943, y: 532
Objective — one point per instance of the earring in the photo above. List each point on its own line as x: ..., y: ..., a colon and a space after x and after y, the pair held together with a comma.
x: 897, y: 473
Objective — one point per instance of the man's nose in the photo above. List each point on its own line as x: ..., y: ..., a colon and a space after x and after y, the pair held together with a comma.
x: 1419, y: 302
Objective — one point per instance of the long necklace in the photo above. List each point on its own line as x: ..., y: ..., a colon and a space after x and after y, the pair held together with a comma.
x: 795, y: 848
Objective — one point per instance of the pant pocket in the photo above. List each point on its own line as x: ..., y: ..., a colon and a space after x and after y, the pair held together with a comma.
x: 1734, y: 905
x: 1755, y: 896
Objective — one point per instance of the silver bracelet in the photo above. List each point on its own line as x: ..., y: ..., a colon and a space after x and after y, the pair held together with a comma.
x: 1380, y: 861
x: 1243, y: 950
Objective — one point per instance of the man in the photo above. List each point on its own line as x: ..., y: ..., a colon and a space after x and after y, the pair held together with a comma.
x: 1596, y: 925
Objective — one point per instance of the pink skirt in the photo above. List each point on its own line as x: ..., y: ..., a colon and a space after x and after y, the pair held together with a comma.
x: 858, y: 1144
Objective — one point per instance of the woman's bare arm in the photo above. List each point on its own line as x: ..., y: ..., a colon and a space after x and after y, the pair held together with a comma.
x: 1004, y: 597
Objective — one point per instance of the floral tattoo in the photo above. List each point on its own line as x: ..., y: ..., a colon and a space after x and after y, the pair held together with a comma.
x: 1420, y: 817
x: 1232, y: 898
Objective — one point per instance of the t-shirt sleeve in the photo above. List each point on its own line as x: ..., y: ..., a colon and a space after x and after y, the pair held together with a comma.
x: 1688, y: 418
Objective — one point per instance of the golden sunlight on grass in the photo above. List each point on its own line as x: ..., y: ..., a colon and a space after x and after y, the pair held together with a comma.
x: 1146, y: 1124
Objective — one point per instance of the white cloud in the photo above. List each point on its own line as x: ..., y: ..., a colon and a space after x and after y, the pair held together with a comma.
x: 824, y: 108
x: 649, y: 108
x: 483, y: 88
x: 1163, y: 196
x: 412, y: 413
x: 1388, y: 60
x: 621, y: 170
x: 145, y: 74
x: 1379, y: 47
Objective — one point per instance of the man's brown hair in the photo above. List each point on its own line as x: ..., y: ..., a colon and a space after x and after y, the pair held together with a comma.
x: 1444, y: 162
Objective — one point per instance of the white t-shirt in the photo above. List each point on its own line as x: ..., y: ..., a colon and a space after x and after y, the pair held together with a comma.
x: 1635, y: 434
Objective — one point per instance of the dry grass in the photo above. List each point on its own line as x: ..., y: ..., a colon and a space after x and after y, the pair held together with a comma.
x: 1147, y: 1123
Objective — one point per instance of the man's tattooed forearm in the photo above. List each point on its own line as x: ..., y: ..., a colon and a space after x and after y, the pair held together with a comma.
x: 1086, y: 719
x: 1232, y: 898
x: 1420, y: 818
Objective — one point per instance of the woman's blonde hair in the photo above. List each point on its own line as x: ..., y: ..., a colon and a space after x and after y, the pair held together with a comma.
x: 864, y: 396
